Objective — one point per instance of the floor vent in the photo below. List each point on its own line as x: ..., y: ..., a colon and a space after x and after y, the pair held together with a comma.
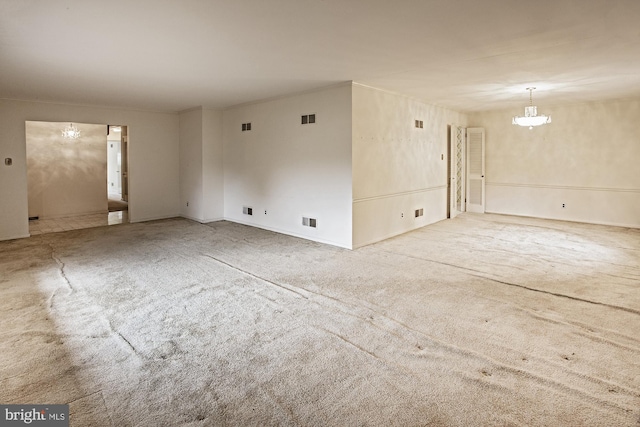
x: 309, y: 222
x: 247, y: 210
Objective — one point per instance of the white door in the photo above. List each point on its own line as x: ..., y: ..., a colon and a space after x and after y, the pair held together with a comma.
x: 457, y: 167
x: 475, y: 170
x: 124, y: 163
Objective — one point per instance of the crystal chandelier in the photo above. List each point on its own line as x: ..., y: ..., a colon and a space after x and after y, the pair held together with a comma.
x: 71, y: 132
x: 531, y: 117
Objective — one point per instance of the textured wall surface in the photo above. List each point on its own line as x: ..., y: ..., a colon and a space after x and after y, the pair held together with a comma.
x: 66, y: 177
x: 153, y: 159
x: 291, y: 170
x: 397, y: 168
x: 212, y: 165
x: 585, y: 159
x: 191, y: 184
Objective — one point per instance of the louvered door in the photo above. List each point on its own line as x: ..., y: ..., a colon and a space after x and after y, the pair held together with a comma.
x: 457, y: 171
x: 475, y: 170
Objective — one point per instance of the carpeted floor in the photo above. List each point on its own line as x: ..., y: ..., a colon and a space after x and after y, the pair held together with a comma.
x: 480, y: 320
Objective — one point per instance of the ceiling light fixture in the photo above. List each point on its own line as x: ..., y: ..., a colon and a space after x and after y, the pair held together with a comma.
x: 71, y: 132
x: 531, y: 117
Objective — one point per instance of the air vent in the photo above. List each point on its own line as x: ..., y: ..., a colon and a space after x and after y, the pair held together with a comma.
x: 247, y: 210
x: 419, y: 212
x: 419, y: 124
x: 309, y: 222
x: 246, y: 127
x: 308, y: 119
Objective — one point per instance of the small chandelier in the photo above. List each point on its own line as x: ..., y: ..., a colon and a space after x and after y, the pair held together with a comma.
x: 71, y: 132
x: 531, y: 117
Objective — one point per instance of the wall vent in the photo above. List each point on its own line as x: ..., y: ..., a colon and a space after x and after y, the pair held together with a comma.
x: 419, y: 212
x: 419, y: 124
x: 247, y: 210
x: 308, y: 119
x: 246, y: 127
x: 309, y: 222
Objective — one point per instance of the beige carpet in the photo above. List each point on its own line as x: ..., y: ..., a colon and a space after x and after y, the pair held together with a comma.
x: 478, y: 321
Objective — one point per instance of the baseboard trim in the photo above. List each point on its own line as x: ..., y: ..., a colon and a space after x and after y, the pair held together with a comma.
x: 19, y: 236
x: 289, y: 233
x: 132, y: 220
x: 610, y: 224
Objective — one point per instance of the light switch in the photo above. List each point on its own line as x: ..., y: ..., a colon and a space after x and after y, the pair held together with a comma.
x: 8, y: 161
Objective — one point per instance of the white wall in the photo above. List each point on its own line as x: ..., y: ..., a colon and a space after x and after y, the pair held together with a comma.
x: 153, y: 159
x: 212, y: 165
x: 397, y: 168
x: 587, y: 158
x: 66, y: 177
x: 289, y: 169
x: 201, y: 165
x: 191, y: 203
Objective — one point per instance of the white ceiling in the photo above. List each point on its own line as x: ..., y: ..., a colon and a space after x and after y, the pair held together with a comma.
x: 169, y: 55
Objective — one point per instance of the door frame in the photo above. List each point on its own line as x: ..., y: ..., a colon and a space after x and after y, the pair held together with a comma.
x: 475, y: 170
x: 457, y: 175
x: 124, y: 163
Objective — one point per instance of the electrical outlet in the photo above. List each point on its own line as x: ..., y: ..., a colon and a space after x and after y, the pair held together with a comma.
x: 401, y: 214
x: 563, y: 205
x: 187, y: 204
x: 265, y: 211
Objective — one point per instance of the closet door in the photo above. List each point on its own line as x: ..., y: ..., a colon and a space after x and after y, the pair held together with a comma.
x: 475, y: 170
x: 457, y: 171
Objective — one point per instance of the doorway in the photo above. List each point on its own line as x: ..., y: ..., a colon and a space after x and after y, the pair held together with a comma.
x: 475, y: 170
x: 117, y: 168
x: 466, y: 170
x: 456, y: 170
x: 449, y: 177
x: 67, y: 176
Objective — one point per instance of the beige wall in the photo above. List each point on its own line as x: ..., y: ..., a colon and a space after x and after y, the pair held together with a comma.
x: 201, y: 165
x: 586, y: 158
x: 66, y: 177
x: 361, y: 170
x: 191, y: 185
x: 397, y: 168
x: 154, y: 178
x: 289, y: 169
x: 213, y: 165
